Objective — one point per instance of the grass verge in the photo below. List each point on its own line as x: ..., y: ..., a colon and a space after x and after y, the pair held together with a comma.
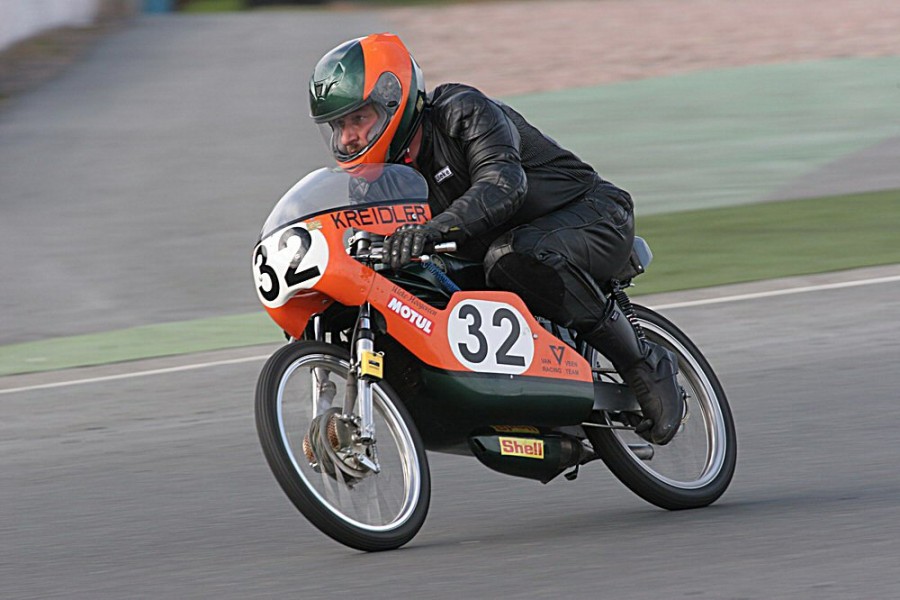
x: 692, y: 249
x: 210, y: 6
x: 776, y: 239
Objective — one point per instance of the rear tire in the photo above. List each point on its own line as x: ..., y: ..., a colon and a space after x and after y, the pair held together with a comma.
x: 377, y: 511
x: 696, y: 467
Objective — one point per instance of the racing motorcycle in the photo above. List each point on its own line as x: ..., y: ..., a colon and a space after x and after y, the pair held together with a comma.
x: 381, y: 366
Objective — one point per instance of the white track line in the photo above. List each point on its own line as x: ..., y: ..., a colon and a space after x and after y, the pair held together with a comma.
x: 47, y: 386
x: 782, y: 292
x: 719, y: 300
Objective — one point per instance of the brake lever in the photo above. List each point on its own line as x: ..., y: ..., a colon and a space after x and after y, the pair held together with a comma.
x: 376, y: 254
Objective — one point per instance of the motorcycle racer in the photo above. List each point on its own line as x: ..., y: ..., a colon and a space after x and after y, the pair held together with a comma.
x: 545, y: 224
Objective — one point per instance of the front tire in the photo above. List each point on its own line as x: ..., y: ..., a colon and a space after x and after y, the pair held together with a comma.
x: 696, y: 467
x: 377, y: 511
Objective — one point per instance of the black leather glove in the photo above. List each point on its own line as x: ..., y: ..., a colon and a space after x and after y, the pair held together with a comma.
x: 409, y: 241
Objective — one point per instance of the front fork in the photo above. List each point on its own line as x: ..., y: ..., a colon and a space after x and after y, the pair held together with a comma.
x: 323, y: 389
x: 365, y: 369
x: 366, y: 366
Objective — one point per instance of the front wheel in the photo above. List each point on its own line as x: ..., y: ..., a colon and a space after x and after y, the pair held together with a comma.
x: 695, y: 468
x: 367, y: 496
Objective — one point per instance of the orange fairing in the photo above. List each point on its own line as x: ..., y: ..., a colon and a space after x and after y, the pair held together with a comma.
x: 295, y: 315
x: 479, y: 340
x: 302, y: 266
x: 343, y: 279
x: 482, y: 332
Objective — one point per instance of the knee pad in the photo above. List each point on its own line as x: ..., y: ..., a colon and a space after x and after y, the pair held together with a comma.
x: 539, y: 284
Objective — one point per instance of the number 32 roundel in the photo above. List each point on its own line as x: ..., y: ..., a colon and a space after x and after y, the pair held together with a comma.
x: 490, y: 337
x: 291, y: 259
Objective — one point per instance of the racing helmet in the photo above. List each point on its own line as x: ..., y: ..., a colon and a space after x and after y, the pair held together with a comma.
x: 367, y: 96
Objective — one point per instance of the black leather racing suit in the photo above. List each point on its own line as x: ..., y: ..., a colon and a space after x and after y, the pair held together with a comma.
x: 544, y: 222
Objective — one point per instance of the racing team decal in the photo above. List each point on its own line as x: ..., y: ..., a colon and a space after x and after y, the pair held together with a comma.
x: 490, y: 337
x: 290, y: 259
x: 378, y: 215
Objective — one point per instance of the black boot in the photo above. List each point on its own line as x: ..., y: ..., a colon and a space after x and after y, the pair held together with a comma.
x: 647, y: 368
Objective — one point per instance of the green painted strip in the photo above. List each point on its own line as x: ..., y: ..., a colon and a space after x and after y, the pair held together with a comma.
x: 723, y: 137
x: 139, y: 342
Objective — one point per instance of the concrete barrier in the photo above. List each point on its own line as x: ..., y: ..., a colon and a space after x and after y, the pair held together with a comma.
x: 20, y: 19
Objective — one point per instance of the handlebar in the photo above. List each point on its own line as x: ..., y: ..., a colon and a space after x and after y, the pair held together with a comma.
x: 441, y: 248
x: 444, y: 247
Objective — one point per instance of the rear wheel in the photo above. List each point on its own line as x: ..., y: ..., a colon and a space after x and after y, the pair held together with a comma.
x: 366, y: 496
x: 695, y: 468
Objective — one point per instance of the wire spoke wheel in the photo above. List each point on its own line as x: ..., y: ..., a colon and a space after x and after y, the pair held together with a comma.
x: 367, y: 496
x: 696, y: 467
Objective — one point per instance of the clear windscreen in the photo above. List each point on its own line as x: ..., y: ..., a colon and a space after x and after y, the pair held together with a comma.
x: 329, y: 189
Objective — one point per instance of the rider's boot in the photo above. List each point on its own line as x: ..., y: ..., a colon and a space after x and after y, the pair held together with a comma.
x: 647, y: 368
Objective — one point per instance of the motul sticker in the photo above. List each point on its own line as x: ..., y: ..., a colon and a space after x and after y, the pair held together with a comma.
x: 524, y: 447
x: 420, y: 321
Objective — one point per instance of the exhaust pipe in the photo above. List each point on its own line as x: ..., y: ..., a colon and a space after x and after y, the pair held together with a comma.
x: 527, y: 451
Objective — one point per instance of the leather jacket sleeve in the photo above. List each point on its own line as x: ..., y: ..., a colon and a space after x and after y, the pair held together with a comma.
x: 489, y: 144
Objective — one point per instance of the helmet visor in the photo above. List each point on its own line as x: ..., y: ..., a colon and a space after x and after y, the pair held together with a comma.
x: 351, y: 135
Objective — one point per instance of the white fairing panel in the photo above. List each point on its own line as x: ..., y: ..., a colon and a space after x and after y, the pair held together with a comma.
x: 490, y: 337
x: 291, y: 259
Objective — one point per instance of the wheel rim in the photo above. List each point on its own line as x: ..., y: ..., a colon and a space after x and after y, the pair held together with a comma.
x: 378, y: 502
x: 697, y: 454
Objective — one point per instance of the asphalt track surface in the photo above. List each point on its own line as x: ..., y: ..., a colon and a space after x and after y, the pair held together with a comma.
x: 135, y: 185
x: 154, y: 486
